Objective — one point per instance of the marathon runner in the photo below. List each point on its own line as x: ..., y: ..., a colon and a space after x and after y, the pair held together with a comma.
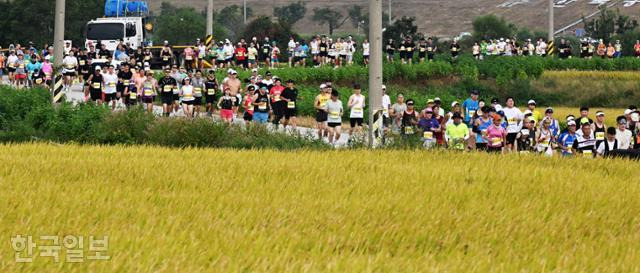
x: 261, y: 106
x: 320, y: 104
x: 166, y: 85
x: 290, y: 96
x: 188, y: 97
x: 356, y: 106
x: 334, y: 120
x: 211, y: 85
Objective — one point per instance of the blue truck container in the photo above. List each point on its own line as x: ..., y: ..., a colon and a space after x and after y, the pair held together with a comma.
x: 117, y: 8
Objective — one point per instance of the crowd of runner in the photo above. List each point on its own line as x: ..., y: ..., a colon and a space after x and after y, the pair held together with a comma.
x: 186, y: 89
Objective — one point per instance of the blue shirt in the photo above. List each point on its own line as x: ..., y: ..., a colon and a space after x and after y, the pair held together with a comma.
x: 470, y: 108
x: 305, y: 49
x: 566, y: 140
x: 428, y: 124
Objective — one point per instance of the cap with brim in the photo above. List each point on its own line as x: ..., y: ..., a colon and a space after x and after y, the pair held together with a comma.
x: 531, y: 102
x: 410, y: 102
x: 453, y: 104
x: 323, y: 86
x: 571, y: 123
x: 384, y: 87
x: 254, y: 70
x: 437, y: 99
x: 98, y: 68
x: 428, y: 110
x: 627, y: 112
x: 549, y: 110
x: 430, y: 101
x: 599, y: 113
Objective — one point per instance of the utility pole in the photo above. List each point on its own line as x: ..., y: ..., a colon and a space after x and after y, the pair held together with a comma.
x: 245, y: 11
x: 389, y: 12
x: 210, y: 18
x: 551, y: 30
x: 58, y: 34
x: 375, y: 71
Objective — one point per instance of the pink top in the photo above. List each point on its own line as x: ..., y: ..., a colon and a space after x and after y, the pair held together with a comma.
x: 495, y: 136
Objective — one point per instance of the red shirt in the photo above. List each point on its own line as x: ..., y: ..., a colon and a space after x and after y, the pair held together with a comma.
x: 275, y: 93
x: 248, y: 103
x: 241, y: 53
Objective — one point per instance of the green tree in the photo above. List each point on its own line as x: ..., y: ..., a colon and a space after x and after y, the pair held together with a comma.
x: 491, y: 27
x: 33, y: 20
x: 609, y: 23
x: 290, y: 14
x: 179, y: 25
x: 232, y: 19
x: 401, y: 28
x: 360, y: 17
x: 330, y: 17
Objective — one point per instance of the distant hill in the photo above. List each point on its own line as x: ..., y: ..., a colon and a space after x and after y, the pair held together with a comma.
x: 443, y: 18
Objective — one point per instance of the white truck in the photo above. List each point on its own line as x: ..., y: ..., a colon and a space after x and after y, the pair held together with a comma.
x: 111, y: 30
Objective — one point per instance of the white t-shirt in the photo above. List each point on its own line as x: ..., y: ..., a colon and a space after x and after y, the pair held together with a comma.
x: 69, y: 64
x: 357, y: 110
x: 624, y: 139
x: 600, y: 149
x: 110, y: 83
x: 187, y: 93
x: 334, y: 110
x: 514, y: 119
x: 314, y: 47
x: 291, y: 45
x: 365, y: 49
x: 386, y: 103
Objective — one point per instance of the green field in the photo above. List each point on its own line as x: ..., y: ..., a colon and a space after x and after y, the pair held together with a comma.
x: 206, y: 210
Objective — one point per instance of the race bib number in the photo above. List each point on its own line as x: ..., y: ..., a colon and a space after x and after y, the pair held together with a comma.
x: 496, y: 141
x: 188, y: 96
x: 211, y: 91
x: 146, y: 58
x: 545, y: 143
x: 96, y: 85
x: 402, y: 48
x: 276, y: 98
x: 408, y: 130
x: 472, y: 113
x: 430, y: 49
x: 428, y: 135
x: 133, y: 95
x: 409, y: 48
x: 422, y: 50
x: 112, y: 84
x: 126, y: 82
x: 21, y: 66
x: 38, y: 81
x: 323, y: 49
x: 600, y: 136
x: 512, y: 121
x: 291, y: 105
x: 334, y: 115
x: 266, y: 50
x: 70, y: 66
x: 189, y: 58
x: 166, y: 59
x: 167, y: 88
x: 357, y: 110
x: 12, y: 65
x: 454, y: 49
x: 262, y: 106
x: 148, y: 91
x: 82, y: 62
x: 587, y: 153
x: 198, y: 91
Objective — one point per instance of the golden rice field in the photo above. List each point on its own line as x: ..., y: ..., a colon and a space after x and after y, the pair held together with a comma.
x: 190, y: 210
x: 596, y: 75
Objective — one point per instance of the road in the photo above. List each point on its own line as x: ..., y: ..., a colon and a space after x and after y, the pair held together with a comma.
x: 77, y: 96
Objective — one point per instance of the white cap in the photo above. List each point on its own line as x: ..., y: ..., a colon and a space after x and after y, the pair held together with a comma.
x: 531, y: 102
x: 146, y: 68
x: 635, y: 117
x: 384, y: 87
x: 627, y: 112
x: 437, y: 99
x: 166, y: 42
x: 48, y: 57
x: 98, y: 68
x: 323, y: 86
x: 231, y: 71
x: 571, y: 122
x: 254, y: 70
x: 527, y: 112
x: 454, y: 103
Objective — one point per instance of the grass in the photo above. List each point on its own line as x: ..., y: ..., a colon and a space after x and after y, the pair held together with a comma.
x: 596, y: 75
x: 204, y: 210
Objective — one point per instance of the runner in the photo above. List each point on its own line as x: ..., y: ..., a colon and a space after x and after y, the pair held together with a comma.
x: 495, y: 136
x: 567, y: 139
x: 481, y: 124
x: 20, y: 72
x: 323, y: 50
x: 409, y: 49
x: 320, y: 104
x: 199, y: 86
x: 599, y: 128
x: 390, y: 48
x: 188, y: 98
x: 610, y: 144
x: 356, y: 106
x: 366, y: 51
x: 234, y: 85
x: 275, y: 55
x: 211, y: 85
x: 70, y: 64
x: 527, y: 136
x: 334, y: 120
x: 432, y: 48
x: 429, y: 126
x: 261, y: 106
x: 409, y: 119
x: 457, y: 133
x: 585, y: 143
x: 265, y: 52
x: 290, y: 96
x: 636, y: 49
x: 278, y: 105
x: 96, y: 86
x: 124, y: 82
x: 386, y: 108
x: 226, y: 104
x: 396, y: 113
x: 455, y: 49
x: 167, y: 84
x: 247, y: 104
x: 110, y: 81
x: 149, y: 91
x: 623, y: 135
x: 166, y: 55
x: 545, y: 139
x: 514, y: 120
x: 252, y: 55
x: 470, y: 106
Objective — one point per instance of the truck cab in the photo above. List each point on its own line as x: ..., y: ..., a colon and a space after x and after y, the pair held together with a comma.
x: 110, y: 31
